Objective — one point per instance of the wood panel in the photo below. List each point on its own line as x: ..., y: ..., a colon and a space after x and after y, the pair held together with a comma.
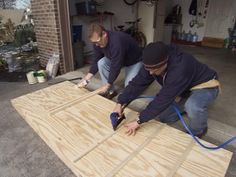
x: 76, y: 126
x: 56, y: 95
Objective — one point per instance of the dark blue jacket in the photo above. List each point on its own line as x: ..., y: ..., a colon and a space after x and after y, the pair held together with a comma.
x: 121, y: 49
x: 183, y: 72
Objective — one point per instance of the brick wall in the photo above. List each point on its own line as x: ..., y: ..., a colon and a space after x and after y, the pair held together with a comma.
x: 47, y: 29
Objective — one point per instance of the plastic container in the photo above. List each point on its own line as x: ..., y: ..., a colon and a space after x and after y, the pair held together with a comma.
x: 189, y: 36
x: 41, y: 79
x: 10, y: 62
x: 226, y: 43
x: 183, y: 36
x: 195, y: 37
x: 179, y: 37
x: 41, y: 76
x: 31, y: 78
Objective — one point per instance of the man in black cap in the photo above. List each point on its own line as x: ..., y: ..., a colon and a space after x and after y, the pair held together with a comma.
x: 186, y: 82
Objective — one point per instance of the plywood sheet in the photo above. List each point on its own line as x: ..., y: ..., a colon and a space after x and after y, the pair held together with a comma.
x: 76, y: 126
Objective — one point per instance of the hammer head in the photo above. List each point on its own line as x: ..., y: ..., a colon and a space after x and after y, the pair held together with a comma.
x: 116, y: 120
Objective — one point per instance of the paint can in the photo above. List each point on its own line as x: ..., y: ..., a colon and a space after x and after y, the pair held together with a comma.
x: 30, y: 77
x: 41, y: 76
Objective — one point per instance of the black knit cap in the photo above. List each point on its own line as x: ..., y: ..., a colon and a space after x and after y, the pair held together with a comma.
x: 155, y: 53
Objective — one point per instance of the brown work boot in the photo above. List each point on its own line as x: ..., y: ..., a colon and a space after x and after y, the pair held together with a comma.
x: 110, y: 94
x: 200, y: 135
x: 203, y: 133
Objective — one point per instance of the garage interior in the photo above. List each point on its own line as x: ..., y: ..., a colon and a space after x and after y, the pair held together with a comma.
x: 209, y: 36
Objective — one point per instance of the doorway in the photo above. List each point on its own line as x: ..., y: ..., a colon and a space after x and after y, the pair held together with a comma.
x: 64, y: 22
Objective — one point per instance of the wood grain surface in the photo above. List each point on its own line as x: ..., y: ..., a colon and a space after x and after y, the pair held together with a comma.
x: 75, y: 124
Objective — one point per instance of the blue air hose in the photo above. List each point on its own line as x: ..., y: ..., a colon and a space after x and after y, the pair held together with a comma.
x: 190, y: 132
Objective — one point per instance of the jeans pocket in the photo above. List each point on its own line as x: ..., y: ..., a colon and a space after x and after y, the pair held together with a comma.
x: 213, y: 93
x: 216, y: 92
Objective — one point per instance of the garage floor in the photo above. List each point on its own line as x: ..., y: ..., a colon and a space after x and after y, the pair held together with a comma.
x: 23, y: 153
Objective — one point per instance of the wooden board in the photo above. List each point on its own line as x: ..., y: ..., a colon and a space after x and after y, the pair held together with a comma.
x: 76, y: 126
x: 213, y: 42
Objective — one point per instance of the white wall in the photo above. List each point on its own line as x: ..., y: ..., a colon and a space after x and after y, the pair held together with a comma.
x: 186, y: 18
x: 146, y: 25
x: 122, y: 13
x: 221, y: 17
x: 153, y: 32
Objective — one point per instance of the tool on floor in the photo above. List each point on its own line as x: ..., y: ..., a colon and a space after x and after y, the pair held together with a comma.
x: 116, y: 119
x: 63, y: 80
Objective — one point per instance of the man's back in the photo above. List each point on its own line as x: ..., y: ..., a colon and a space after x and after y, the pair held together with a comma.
x: 125, y: 44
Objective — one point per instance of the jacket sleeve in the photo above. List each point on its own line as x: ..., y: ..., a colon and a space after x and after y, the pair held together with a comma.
x: 117, y: 61
x: 173, y: 87
x: 135, y: 87
x: 98, y: 55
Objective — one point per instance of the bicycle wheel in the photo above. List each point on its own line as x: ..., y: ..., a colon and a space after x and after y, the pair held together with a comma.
x: 140, y: 38
x: 130, y: 2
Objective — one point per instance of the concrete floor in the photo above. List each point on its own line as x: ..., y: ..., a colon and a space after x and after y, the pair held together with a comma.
x: 24, y: 154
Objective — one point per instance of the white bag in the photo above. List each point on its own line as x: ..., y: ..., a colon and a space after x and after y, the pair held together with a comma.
x: 53, y: 65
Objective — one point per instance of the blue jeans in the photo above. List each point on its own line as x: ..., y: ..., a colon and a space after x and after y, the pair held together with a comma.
x: 196, y: 107
x: 104, y: 65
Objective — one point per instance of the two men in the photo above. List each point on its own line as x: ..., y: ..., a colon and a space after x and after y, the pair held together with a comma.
x: 113, y: 50
x: 181, y: 76
x: 187, y: 83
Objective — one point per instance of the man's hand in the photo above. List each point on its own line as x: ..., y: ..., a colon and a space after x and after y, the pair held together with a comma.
x: 105, y: 88
x: 118, y: 109
x: 132, y: 127
x: 84, y: 82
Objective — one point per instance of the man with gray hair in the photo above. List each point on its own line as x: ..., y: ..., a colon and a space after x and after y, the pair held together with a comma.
x: 113, y: 50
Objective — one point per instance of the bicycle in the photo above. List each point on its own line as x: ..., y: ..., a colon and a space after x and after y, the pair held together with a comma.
x: 134, y: 32
x: 148, y: 2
